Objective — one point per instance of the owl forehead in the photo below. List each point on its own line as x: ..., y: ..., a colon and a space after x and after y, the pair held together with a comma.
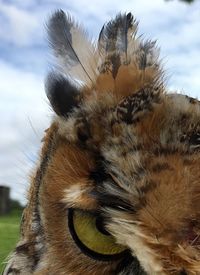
x: 143, y: 115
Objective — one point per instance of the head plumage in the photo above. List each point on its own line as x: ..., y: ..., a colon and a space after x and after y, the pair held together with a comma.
x: 119, y: 62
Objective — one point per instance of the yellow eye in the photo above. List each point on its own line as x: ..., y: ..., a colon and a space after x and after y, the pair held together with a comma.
x: 89, y: 234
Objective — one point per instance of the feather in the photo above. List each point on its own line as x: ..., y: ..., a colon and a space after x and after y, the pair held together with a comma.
x: 74, y: 53
x: 61, y: 93
x: 115, y: 34
x: 113, y: 42
x: 119, y: 45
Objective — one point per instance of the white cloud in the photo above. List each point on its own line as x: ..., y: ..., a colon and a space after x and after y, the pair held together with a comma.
x: 19, y: 26
x: 23, y: 106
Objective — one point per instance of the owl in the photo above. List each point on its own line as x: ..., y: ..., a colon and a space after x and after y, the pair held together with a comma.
x: 117, y: 187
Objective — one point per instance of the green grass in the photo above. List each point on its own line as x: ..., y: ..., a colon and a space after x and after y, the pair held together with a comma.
x: 9, y: 234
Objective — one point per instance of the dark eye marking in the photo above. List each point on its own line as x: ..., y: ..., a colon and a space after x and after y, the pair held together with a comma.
x: 99, y: 174
x: 129, y: 265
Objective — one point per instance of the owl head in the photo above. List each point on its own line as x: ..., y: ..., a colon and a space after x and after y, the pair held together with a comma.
x: 117, y: 188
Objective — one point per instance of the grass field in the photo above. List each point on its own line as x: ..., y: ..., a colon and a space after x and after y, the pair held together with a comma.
x: 9, y: 234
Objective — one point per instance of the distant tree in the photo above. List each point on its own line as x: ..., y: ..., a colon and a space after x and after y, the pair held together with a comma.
x: 14, y: 204
x: 4, y: 200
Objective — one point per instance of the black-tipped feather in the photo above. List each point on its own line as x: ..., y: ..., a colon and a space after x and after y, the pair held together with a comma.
x: 114, y: 35
x: 61, y: 93
x: 60, y: 37
x: 61, y: 32
x: 114, y: 40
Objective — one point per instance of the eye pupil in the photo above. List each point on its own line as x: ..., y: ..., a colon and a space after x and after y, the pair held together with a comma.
x: 100, y: 225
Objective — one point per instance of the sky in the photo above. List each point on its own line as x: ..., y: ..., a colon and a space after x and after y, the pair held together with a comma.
x: 25, y: 61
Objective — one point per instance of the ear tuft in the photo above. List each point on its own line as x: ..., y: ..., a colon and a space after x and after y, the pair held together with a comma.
x: 74, y: 52
x: 115, y: 34
x: 62, y: 94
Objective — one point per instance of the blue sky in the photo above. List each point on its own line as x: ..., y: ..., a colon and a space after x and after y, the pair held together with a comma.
x: 25, y: 60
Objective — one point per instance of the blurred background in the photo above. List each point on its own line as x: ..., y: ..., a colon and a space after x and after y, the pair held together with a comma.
x: 24, y: 63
